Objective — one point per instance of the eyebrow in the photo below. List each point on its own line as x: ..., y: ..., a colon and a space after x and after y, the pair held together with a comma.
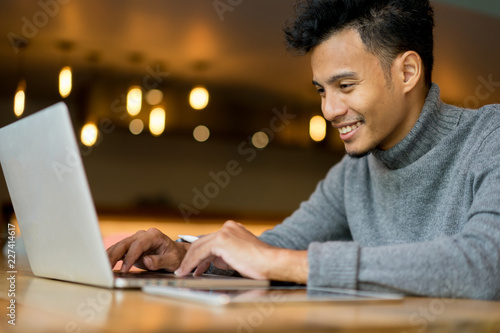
x: 337, y: 77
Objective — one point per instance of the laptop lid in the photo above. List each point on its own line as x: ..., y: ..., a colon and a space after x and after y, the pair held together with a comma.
x: 48, y: 187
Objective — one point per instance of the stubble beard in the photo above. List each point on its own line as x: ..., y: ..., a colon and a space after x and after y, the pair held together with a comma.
x: 362, y: 153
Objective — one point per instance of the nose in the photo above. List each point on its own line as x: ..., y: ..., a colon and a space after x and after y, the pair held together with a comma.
x: 333, y: 107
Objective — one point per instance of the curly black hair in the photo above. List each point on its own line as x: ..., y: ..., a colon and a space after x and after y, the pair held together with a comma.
x: 387, y: 28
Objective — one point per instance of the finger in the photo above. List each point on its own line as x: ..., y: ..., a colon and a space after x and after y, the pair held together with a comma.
x: 155, y: 262
x: 149, y: 262
x: 115, y: 253
x: 109, y: 249
x: 202, y: 268
x: 118, y: 250
x: 150, y: 241
x: 197, y: 253
x: 135, y: 252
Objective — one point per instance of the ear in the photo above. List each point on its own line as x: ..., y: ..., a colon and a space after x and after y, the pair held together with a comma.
x: 410, y: 70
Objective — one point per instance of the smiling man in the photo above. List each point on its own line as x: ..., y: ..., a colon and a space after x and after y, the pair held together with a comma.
x: 415, y: 205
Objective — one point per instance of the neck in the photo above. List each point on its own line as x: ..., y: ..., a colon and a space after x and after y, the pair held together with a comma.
x: 415, y: 100
x: 431, y: 126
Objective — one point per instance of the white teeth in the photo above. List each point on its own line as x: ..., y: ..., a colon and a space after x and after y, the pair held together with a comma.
x: 347, y: 129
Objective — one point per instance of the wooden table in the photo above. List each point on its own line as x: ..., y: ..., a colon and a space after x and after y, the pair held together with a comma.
x: 43, y: 305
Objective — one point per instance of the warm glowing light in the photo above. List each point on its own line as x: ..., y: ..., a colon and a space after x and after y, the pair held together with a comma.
x: 317, y: 128
x: 65, y: 81
x: 134, y: 100
x: 198, y: 98
x: 20, y: 99
x: 154, y: 97
x: 136, y: 126
x: 89, y: 134
x: 157, y: 121
x: 201, y: 133
x: 260, y: 140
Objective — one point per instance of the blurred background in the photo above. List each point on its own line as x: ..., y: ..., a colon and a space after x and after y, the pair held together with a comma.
x: 194, y: 108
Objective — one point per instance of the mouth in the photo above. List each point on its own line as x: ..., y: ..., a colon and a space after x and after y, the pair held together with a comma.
x: 347, y: 132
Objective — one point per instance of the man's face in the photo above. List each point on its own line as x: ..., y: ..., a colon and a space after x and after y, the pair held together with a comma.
x: 356, y: 97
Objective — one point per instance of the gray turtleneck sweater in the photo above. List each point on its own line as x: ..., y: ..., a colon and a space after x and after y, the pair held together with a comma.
x: 422, y: 218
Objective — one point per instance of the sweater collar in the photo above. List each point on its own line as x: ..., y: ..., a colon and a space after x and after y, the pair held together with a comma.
x: 434, y: 123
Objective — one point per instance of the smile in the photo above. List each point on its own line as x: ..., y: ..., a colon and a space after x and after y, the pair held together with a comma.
x: 348, y: 129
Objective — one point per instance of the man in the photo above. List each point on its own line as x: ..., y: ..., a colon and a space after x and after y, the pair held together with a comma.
x: 415, y: 205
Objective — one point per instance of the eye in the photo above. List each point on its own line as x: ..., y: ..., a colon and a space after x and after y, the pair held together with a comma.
x: 320, y: 91
x: 346, y: 86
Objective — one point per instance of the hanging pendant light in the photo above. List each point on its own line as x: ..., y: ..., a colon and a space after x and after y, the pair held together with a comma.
x: 157, y: 121
x: 317, y: 128
x: 198, y: 98
x: 20, y: 98
x: 65, y: 81
x: 134, y: 100
x: 20, y: 95
x: 89, y: 134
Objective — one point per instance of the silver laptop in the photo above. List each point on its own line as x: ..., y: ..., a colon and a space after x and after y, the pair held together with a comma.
x: 48, y: 187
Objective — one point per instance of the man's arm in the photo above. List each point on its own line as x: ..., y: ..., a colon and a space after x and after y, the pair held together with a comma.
x: 466, y: 264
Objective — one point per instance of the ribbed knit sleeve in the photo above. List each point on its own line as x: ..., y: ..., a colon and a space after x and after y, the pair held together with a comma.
x: 334, y: 264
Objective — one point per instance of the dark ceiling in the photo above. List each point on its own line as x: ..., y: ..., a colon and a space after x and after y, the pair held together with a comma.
x: 237, y: 49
